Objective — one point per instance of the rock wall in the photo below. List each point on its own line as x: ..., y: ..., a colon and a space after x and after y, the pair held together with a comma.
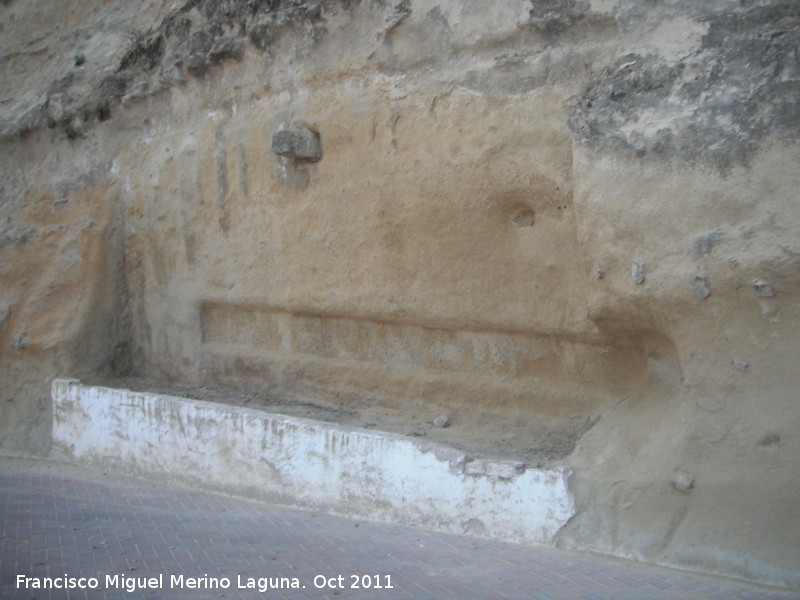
x: 569, y: 225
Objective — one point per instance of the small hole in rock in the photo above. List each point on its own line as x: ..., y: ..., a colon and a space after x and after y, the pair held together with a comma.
x: 524, y: 218
x: 770, y: 440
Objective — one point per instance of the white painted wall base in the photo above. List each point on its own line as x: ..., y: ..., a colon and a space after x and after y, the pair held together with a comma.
x: 354, y: 472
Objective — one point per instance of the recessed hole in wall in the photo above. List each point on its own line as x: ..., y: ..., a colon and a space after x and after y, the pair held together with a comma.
x: 524, y: 218
x: 770, y: 440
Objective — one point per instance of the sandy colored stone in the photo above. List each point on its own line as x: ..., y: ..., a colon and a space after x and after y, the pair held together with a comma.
x: 490, y: 173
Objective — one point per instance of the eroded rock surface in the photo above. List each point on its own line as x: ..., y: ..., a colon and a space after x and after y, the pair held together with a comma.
x: 467, y: 243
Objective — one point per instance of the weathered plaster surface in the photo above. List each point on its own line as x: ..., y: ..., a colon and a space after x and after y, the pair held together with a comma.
x: 323, y: 466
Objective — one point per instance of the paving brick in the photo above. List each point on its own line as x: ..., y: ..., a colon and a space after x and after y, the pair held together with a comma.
x: 58, y: 519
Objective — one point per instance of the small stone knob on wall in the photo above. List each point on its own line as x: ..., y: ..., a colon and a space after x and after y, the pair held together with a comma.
x: 297, y: 142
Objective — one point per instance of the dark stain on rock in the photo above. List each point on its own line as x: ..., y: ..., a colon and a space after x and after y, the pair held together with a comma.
x: 193, y: 38
x: 702, y: 245
x: 556, y: 16
x: 716, y: 105
x: 145, y: 55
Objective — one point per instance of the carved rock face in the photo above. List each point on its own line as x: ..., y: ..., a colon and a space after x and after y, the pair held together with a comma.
x: 521, y: 210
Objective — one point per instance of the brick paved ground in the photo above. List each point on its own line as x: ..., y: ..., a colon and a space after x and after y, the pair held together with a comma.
x: 59, y: 520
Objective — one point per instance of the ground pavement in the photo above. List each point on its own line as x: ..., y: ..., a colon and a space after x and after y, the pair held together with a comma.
x: 111, y: 534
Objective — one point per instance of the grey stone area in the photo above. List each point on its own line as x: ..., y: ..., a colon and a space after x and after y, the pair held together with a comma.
x: 195, y: 36
x: 716, y: 104
x: 297, y: 142
x: 555, y: 16
x: 682, y: 481
x: 441, y: 421
x: 763, y: 288
x: 11, y: 235
x: 702, y: 245
x: 700, y: 288
x: 638, y: 272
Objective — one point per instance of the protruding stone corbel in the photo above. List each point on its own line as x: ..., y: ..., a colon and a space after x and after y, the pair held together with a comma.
x: 298, y: 143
